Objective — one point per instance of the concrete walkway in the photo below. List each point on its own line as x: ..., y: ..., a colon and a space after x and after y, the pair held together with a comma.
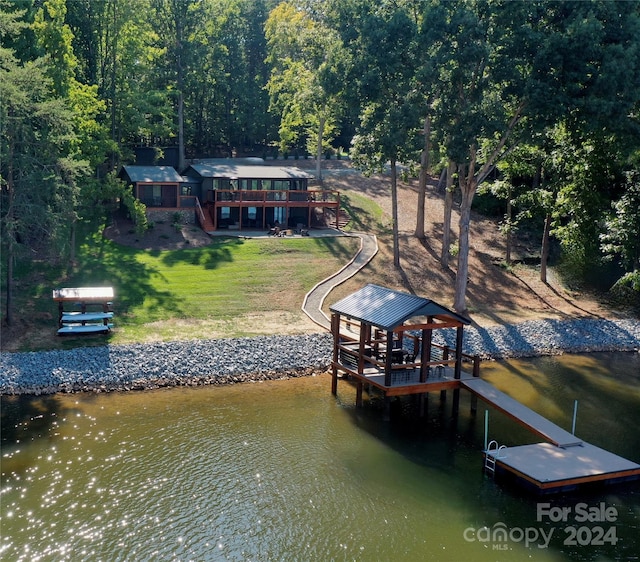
x: 313, y: 301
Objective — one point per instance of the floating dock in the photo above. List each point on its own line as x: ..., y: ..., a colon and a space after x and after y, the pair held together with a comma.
x: 564, y: 463
x: 548, y: 468
x: 383, y: 339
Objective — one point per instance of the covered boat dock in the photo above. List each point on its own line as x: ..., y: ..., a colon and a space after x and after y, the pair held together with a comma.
x: 384, y: 339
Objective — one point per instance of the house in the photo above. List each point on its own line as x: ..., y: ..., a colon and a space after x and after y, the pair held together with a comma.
x: 235, y: 194
x: 156, y: 186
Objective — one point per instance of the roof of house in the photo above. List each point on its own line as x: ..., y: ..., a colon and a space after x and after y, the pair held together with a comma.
x: 389, y: 309
x: 152, y: 174
x: 239, y: 171
x: 244, y: 161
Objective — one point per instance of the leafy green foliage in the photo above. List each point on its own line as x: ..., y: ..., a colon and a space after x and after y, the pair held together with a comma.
x: 546, y: 92
x: 307, y: 78
x: 621, y: 237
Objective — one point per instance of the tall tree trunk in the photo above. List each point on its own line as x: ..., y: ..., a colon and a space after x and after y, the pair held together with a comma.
x: 544, y: 252
x: 180, y: 83
x: 114, y: 58
x: 321, y: 122
x: 9, y: 292
x: 422, y: 179
x: 72, y: 242
x: 181, y: 151
x: 446, y: 223
x: 509, y: 226
x: 10, y: 232
x: 468, y: 188
x: 394, y: 213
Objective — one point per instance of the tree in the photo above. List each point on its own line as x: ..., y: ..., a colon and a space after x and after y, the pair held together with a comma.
x: 91, y: 144
x: 307, y: 78
x: 38, y: 171
x: 128, y: 53
x: 511, y: 69
x: 621, y: 238
x: 389, y: 128
x: 517, y: 177
x: 175, y: 22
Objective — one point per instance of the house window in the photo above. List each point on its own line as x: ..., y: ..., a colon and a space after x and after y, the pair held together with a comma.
x: 225, y: 212
x: 157, y: 195
x: 252, y: 212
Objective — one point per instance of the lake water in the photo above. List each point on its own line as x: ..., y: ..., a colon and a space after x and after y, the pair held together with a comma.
x: 285, y: 471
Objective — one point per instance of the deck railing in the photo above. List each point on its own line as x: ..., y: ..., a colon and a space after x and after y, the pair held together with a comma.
x: 374, y: 356
x: 275, y: 196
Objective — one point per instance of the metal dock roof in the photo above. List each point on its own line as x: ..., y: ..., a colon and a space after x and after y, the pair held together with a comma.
x: 388, y: 309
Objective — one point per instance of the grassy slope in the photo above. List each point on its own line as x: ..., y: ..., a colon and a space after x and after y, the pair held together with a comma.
x: 231, y: 287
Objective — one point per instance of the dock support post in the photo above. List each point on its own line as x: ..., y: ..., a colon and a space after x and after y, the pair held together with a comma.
x: 458, y: 364
x: 575, y: 415
x: 445, y: 357
x: 422, y: 403
x: 335, y: 330
x: 476, y: 373
x: 386, y: 416
x: 456, y: 402
x: 486, y: 429
x: 359, y: 394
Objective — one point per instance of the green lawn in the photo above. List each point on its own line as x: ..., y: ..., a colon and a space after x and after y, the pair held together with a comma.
x: 186, y: 293
x: 233, y: 287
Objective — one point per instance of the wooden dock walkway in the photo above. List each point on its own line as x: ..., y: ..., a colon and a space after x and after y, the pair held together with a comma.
x: 564, y: 463
x: 520, y: 413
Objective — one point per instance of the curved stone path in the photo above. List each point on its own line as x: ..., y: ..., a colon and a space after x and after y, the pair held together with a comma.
x: 313, y: 301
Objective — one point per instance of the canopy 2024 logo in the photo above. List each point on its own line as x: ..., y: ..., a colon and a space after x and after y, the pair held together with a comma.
x: 500, y: 535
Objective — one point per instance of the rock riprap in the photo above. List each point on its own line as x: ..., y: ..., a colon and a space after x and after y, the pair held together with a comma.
x: 228, y: 361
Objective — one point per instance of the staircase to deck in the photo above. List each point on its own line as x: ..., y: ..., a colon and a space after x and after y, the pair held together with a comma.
x: 204, y: 217
x: 343, y: 218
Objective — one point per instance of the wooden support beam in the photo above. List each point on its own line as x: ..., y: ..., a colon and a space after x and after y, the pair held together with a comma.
x: 459, y: 339
x: 476, y: 373
x: 429, y: 326
x: 335, y: 330
x: 386, y: 416
x: 388, y: 359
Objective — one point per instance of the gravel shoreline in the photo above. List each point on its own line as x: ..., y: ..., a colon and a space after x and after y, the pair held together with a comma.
x: 230, y: 361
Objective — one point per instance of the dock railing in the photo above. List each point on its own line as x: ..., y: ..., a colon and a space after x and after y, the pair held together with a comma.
x: 374, y: 355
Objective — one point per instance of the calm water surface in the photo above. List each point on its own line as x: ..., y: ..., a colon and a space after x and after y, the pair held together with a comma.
x: 285, y: 471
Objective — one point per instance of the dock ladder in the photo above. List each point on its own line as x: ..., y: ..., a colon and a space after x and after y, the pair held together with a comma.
x: 491, y: 455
